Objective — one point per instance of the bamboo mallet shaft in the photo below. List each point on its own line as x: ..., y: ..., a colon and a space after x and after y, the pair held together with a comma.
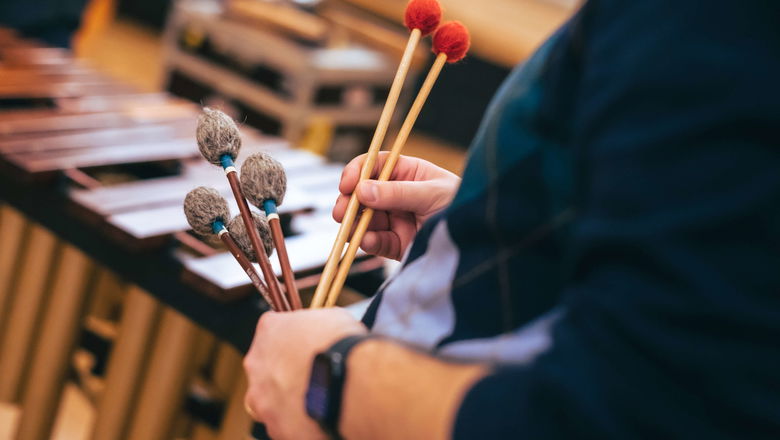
x: 387, y: 171
x: 321, y: 293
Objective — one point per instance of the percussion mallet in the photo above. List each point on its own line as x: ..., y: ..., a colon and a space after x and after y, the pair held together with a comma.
x: 264, y: 184
x: 207, y: 212
x: 450, y: 44
x: 422, y: 17
x: 238, y: 232
x: 219, y: 142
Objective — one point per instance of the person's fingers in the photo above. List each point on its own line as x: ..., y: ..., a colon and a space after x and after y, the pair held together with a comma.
x: 406, y: 168
x: 415, y: 197
x: 382, y: 243
x: 254, y: 406
x: 405, y: 227
x: 351, y: 175
x: 380, y: 221
x: 340, y: 208
x: 249, y: 410
x: 393, y: 241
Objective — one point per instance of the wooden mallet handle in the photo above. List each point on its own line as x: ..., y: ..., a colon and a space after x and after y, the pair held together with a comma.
x: 245, y: 264
x: 277, y: 301
x: 281, y: 253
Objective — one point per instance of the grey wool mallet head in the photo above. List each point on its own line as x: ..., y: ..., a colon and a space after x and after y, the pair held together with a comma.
x: 218, y: 136
x: 237, y: 230
x: 263, y: 179
x: 264, y: 183
x: 204, y: 207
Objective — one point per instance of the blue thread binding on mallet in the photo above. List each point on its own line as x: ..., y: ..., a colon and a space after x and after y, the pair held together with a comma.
x: 218, y: 226
x: 226, y: 161
x: 269, y: 206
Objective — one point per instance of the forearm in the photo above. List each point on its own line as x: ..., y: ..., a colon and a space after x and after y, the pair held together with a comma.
x: 392, y: 391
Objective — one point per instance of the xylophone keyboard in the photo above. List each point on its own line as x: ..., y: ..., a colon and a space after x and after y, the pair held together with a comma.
x: 94, y: 242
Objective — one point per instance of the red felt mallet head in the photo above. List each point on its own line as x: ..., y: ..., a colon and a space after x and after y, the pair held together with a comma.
x: 452, y: 39
x: 424, y: 15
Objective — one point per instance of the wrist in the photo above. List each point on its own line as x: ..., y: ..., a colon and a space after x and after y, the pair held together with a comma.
x: 393, y: 391
x: 354, y: 423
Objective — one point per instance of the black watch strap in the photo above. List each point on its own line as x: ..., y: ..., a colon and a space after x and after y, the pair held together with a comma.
x: 336, y: 360
x: 344, y: 345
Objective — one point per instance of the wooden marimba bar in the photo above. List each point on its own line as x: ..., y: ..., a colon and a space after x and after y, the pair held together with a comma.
x: 93, y: 171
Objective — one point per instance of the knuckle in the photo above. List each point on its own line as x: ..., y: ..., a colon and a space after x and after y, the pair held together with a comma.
x: 393, y: 249
x: 368, y: 247
x: 248, y: 363
x: 251, y: 406
x: 400, y: 191
x: 262, y: 409
x: 384, y: 249
x: 354, y: 163
x: 441, y: 194
x: 265, y: 321
x: 391, y: 192
x: 258, y: 407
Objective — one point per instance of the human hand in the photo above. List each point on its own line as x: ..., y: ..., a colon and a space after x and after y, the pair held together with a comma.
x: 278, y: 366
x: 417, y: 190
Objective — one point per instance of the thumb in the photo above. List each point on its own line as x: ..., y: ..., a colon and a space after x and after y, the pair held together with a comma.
x: 415, y: 197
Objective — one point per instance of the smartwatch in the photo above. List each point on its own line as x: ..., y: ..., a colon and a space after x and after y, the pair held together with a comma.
x: 326, y: 385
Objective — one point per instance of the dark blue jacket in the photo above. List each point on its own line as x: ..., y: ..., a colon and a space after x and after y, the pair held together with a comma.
x: 627, y: 178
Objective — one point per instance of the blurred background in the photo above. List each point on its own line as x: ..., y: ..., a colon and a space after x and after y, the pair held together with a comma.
x: 97, y: 103
x: 255, y: 58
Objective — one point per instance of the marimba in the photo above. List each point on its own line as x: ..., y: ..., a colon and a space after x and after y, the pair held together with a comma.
x: 95, y: 252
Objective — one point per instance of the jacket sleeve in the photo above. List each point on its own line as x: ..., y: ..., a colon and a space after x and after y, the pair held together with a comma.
x: 671, y: 316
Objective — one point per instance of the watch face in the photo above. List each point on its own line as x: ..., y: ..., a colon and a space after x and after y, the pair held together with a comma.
x: 317, y: 396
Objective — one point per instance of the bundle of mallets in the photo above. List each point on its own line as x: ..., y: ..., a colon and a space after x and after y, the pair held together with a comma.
x: 450, y: 44
x: 250, y: 236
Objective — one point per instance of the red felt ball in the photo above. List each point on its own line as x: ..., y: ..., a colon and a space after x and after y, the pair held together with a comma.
x: 424, y: 15
x: 452, y: 39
